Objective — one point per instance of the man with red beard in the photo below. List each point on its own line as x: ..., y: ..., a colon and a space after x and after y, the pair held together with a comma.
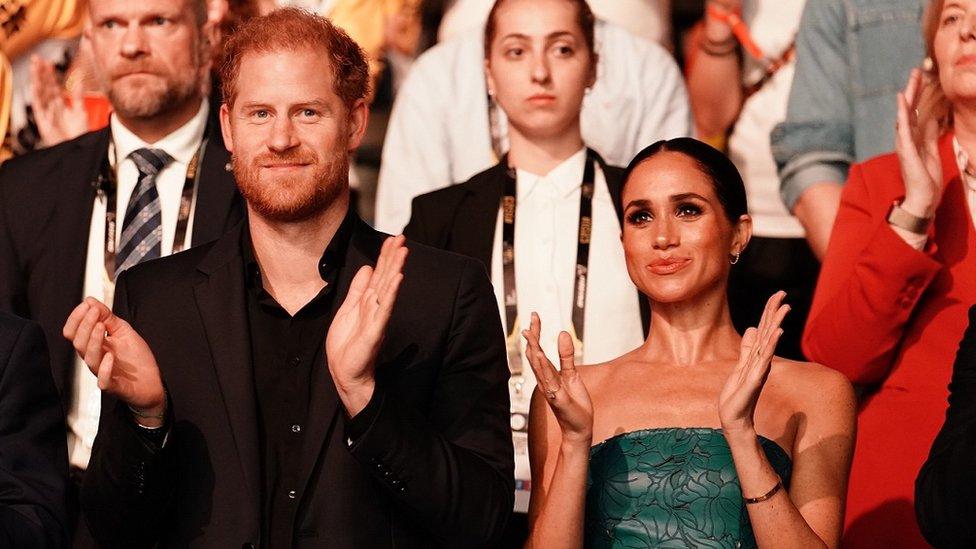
x: 154, y: 182
x: 300, y: 382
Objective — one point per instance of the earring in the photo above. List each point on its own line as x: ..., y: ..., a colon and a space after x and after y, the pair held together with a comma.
x: 735, y: 258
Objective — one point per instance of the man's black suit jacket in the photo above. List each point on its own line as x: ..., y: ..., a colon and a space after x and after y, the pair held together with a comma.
x: 46, y: 201
x: 33, y: 453
x: 462, y: 218
x: 435, y: 466
x: 945, y: 491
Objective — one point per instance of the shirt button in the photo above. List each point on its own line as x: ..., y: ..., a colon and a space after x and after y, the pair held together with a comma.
x: 295, y: 361
x: 291, y: 494
x: 296, y: 428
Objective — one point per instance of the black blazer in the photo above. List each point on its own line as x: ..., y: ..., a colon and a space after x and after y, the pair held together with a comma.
x: 435, y: 466
x: 461, y: 218
x: 33, y: 453
x: 945, y: 491
x: 46, y: 200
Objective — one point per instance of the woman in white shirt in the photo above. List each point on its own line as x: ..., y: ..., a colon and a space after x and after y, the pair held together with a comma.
x: 544, y: 219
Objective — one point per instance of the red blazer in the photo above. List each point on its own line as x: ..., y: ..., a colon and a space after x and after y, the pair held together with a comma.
x: 890, y: 316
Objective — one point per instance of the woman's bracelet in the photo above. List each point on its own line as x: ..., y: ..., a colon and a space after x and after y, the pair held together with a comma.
x: 718, y: 49
x: 767, y: 495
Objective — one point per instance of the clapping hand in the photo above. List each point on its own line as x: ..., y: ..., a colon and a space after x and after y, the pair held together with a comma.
x: 564, y: 389
x: 737, y: 401
x: 917, y: 146
x: 358, y: 328
x: 57, y: 118
x: 117, y: 355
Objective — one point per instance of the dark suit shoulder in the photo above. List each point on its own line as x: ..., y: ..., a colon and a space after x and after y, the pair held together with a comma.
x: 456, y: 192
x: 440, y: 196
x: 34, y: 165
x: 435, y: 261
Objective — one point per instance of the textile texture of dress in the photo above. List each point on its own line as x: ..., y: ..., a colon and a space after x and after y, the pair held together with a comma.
x: 670, y: 487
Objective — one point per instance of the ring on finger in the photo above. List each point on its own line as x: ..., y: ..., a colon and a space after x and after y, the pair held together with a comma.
x: 551, y: 394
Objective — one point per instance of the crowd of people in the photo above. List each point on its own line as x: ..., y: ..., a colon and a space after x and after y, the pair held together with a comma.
x: 629, y: 284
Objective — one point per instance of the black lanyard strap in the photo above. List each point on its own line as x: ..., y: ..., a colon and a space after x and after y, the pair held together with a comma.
x: 584, y: 233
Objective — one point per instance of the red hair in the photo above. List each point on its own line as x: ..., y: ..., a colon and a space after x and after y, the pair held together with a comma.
x: 292, y: 29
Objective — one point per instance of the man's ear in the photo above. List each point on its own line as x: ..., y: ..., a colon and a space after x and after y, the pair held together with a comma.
x: 358, y: 120
x: 225, y: 129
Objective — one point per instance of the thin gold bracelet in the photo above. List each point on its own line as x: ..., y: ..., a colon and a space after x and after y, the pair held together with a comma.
x: 767, y: 495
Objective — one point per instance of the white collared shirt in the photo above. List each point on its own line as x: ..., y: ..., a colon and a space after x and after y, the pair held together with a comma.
x: 546, y: 238
x: 182, y: 144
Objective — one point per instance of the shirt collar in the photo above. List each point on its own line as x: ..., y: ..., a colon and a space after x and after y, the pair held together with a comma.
x: 182, y: 144
x: 565, y: 178
x: 962, y: 160
x: 333, y: 258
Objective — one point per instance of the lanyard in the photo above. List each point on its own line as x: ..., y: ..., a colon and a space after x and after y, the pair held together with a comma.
x: 741, y: 32
x: 508, y: 207
x: 739, y: 29
x: 107, y: 185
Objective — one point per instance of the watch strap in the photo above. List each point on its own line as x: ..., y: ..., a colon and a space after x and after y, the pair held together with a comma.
x: 900, y: 218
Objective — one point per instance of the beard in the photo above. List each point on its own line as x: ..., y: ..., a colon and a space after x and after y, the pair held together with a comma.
x: 291, y: 198
x: 150, y: 95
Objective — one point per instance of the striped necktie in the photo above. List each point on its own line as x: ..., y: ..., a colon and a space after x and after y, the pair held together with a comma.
x: 142, y: 228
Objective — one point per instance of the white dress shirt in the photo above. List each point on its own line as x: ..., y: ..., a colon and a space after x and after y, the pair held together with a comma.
x: 546, y: 238
x: 438, y: 133
x: 182, y: 144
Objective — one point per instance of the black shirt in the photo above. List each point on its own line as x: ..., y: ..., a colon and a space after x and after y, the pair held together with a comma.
x: 286, y: 352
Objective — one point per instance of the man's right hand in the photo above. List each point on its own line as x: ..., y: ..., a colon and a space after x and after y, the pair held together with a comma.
x: 119, y: 357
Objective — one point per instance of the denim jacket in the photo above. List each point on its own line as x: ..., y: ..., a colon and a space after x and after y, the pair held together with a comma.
x: 852, y: 56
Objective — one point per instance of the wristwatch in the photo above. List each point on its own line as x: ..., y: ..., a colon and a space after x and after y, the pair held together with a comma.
x: 904, y: 220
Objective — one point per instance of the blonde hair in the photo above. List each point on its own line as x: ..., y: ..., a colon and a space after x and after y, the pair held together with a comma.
x: 933, y: 103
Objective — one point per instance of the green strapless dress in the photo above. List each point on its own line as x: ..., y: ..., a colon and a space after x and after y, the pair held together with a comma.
x: 670, y: 487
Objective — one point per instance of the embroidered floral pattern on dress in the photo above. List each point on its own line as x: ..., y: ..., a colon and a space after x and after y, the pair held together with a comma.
x: 670, y: 487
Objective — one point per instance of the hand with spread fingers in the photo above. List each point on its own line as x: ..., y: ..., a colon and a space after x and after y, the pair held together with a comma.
x: 564, y: 389
x: 358, y: 328
x: 917, y: 146
x: 737, y: 401
x: 58, y: 119
x: 119, y: 357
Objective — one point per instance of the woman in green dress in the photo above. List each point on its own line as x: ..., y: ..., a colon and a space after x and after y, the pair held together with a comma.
x: 700, y: 437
